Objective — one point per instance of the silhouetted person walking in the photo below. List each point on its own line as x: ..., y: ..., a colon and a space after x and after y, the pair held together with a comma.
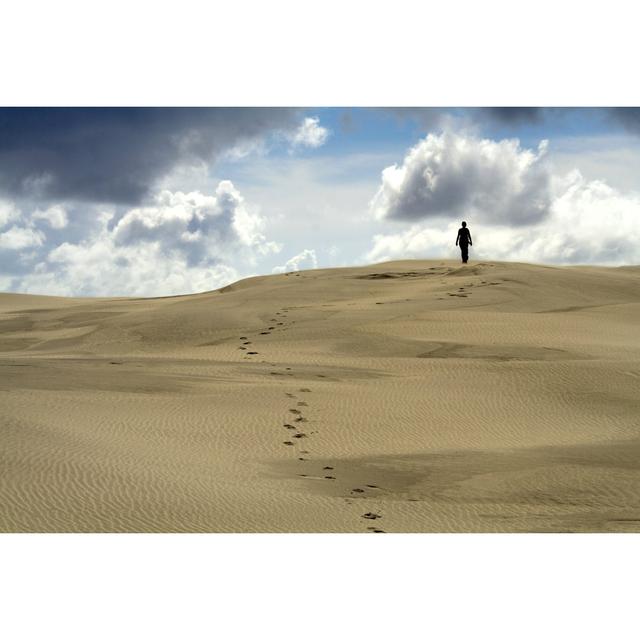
x: 464, y: 240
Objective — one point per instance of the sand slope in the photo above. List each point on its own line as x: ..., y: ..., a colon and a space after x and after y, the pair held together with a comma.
x: 404, y: 396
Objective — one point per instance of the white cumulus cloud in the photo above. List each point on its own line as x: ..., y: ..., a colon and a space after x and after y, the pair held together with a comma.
x: 16, y: 238
x: 306, y: 259
x: 196, y: 225
x: 588, y: 222
x: 180, y: 243
x: 8, y: 213
x: 309, y: 134
x: 463, y: 176
x: 99, y: 267
x: 56, y: 216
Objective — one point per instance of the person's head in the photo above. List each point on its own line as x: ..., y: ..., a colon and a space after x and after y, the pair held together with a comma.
x: 464, y: 224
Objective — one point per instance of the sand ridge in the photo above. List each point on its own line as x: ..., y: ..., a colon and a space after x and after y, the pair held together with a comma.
x: 404, y: 396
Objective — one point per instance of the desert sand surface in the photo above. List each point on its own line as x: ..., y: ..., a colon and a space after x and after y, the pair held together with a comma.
x: 413, y: 396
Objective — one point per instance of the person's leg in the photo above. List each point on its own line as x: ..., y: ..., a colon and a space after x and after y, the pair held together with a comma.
x: 465, y: 252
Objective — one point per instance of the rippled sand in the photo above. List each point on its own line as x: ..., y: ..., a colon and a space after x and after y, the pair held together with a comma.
x: 405, y: 396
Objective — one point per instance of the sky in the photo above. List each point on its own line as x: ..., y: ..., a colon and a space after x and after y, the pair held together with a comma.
x: 165, y: 201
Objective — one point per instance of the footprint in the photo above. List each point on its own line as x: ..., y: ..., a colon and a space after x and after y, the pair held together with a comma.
x: 296, y: 411
x: 252, y: 353
x: 371, y: 516
x: 288, y: 443
x: 357, y: 490
x: 289, y: 395
x: 302, y: 404
x: 305, y: 390
x: 327, y: 468
x: 271, y: 328
x: 264, y: 333
x: 304, y: 452
x: 288, y: 426
x: 300, y: 435
x: 243, y: 337
x: 371, y: 486
x: 300, y: 419
x: 303, y: 459
x: 243, y: 348
x: 329, y: 477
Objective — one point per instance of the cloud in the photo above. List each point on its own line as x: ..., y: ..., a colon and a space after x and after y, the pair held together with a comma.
x: 8, y: 213
x: 116, y: 155
x: 100, y: 268
x: 56, y: 216
x: 305, y: 259
x: 588, y: 222
x: 511, y: 115
x: 17, y: 238
x: 21, y: 241
x: 591, y: 223
x: 415, y: 242
x: 463, y: 176
x: 609, y: 158
x: 199, y: 226
x: 245, y: 149
x: 309, y: 134
x: 181, y: 243
x: 628, y: 117
x: 427, y: 118
x: 430, y: 119
x: 315, y: 200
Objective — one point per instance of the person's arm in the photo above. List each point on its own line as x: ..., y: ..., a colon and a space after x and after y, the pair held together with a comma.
x: 470, y: 242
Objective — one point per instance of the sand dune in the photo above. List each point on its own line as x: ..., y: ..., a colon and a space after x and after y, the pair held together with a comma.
x: 400, y: 397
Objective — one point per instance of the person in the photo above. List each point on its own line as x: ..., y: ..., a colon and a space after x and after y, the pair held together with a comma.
x: 464, y: 240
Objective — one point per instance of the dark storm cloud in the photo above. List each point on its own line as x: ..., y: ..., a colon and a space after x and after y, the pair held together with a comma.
x: 511, y: 115
x: 116, y: 154
x: 427, y: 118
x: 628, y: 117
x: 436, y: 118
